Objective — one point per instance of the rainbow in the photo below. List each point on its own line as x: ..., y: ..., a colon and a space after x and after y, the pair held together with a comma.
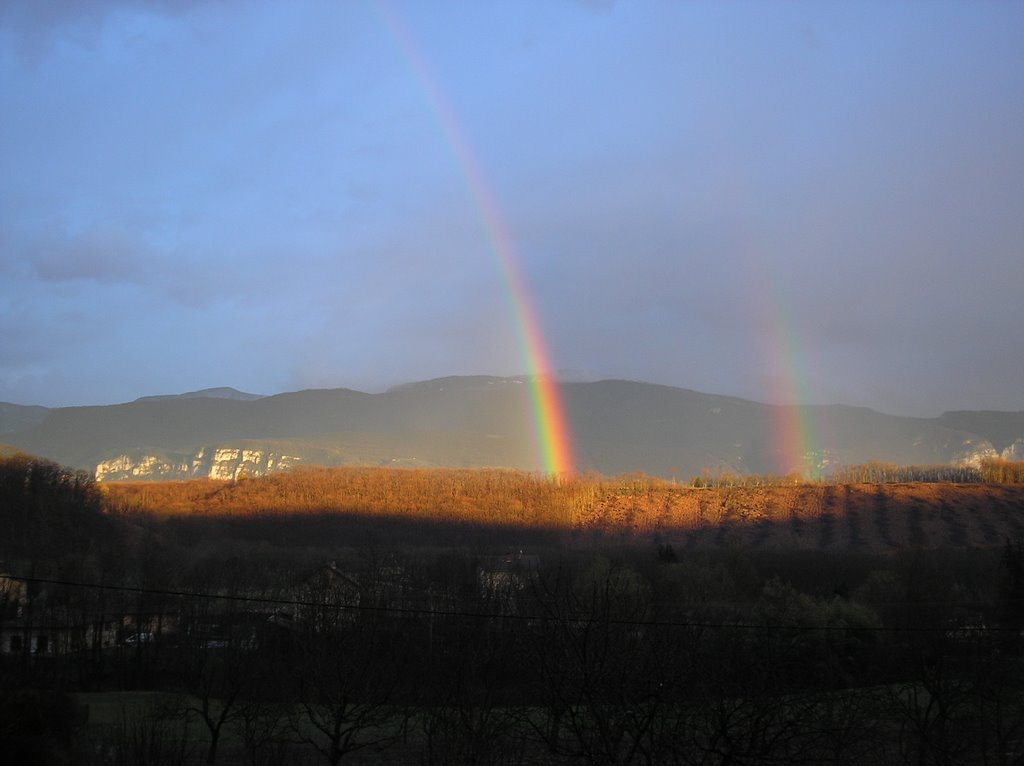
x: 794, y: 429
x: 550, y: 424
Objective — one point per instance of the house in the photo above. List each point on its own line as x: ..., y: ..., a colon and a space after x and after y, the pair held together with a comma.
x: 501, y: 579
x: 54, y: 634
x: 13, y: 596
x: 30, y: 622
x: 323, y: 601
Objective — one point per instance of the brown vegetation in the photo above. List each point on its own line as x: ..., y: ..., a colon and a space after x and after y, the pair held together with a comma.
x: 997, y: 471
x: 779, y: 514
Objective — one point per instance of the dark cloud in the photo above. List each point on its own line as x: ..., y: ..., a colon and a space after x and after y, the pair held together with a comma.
x: 109, y: 256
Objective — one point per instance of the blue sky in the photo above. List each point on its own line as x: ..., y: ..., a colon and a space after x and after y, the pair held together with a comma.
x: 769, y: 200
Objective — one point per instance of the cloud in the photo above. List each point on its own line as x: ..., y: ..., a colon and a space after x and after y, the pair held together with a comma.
x: 114, y: 265
x: 37, y: 25
x: 101, y: 254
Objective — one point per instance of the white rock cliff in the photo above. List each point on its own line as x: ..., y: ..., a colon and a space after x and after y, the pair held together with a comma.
x: 206, y: 463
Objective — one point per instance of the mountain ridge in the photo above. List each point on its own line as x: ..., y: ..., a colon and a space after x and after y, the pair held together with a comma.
x: 618, y: 426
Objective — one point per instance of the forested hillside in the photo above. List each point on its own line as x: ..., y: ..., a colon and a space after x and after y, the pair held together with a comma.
x: 754, y: 512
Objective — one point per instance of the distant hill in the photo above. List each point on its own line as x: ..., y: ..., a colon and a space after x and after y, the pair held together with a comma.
x: 207, y: 393
x: 16, y: 417
x: 618, y: 427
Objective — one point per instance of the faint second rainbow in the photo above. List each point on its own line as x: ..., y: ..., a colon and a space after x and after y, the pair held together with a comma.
x: 551, y: 427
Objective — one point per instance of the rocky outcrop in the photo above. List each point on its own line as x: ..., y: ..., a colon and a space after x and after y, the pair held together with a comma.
x: 973, y: 451
x: 1015, y: 451
x: 140, y: 467
x: 206, y: 463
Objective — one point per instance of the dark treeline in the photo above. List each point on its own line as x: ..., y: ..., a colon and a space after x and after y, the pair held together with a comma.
x: 317, y: 638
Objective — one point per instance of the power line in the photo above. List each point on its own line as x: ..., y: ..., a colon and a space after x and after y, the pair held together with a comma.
x: 547, y: 618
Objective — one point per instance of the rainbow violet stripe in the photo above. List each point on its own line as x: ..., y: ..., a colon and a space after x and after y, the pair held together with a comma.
x: 550, y: 424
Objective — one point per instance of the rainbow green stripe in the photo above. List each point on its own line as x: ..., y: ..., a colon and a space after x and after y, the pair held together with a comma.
x: 550, y: 424
x: 796, y: 439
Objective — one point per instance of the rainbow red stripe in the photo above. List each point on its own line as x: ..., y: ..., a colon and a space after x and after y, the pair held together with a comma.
x: 551, y: 426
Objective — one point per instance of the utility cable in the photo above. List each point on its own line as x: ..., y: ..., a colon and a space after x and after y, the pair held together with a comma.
x: 547, y: 618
